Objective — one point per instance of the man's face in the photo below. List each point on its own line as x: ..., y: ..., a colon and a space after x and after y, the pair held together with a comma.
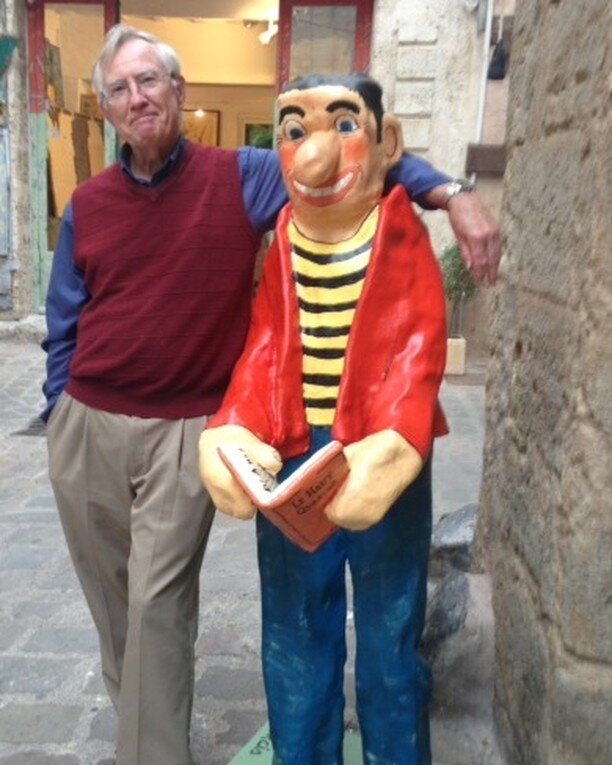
x: 145, y: 116
x: 333, y: 166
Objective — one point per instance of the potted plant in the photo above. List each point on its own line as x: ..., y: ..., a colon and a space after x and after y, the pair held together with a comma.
x: 459, y: 287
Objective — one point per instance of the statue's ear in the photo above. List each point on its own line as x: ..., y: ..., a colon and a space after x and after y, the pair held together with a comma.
x: 392, y: 139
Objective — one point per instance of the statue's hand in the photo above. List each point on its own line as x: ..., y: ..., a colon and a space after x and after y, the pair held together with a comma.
x: 223, y: 488
x: 381, y: 465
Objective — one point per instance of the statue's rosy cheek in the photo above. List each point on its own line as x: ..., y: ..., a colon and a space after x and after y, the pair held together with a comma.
x: 356, y: 148
x: 286, y: 153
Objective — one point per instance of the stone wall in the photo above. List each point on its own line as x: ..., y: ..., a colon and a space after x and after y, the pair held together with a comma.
x: 16, y: 302
x: 428, y: 58
x: 546, y: 520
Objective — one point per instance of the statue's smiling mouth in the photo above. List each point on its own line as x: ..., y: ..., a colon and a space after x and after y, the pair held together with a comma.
x: 328, y: 193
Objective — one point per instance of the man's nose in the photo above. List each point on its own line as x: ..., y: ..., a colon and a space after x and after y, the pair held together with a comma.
x: 135, y: 94
x: 317, y: 159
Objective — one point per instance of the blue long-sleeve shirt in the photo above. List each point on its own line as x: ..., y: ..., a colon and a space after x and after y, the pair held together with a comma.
x: 264, y: 195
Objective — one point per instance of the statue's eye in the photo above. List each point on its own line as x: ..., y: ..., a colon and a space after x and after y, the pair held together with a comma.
x: 293, y: 130
x: 346, y: 124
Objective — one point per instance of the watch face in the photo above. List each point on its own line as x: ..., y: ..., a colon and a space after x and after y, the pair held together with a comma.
x: 457, y: 187
x: 464, y: 185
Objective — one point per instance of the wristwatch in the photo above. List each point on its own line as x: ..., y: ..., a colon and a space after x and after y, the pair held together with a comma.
x: 458, y: 186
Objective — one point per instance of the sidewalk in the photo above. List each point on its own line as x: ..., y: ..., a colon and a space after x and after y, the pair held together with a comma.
x: 53, y: 709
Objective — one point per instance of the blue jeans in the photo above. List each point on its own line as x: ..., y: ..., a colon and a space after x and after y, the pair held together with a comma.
x: 304, y: 646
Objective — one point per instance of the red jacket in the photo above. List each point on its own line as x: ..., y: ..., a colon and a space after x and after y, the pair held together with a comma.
x: 395, y: 355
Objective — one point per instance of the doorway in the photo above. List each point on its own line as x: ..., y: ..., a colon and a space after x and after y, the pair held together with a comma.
x: 235, y: 55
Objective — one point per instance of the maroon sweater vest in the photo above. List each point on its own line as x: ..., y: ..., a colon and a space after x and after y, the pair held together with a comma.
x: 170, y: 273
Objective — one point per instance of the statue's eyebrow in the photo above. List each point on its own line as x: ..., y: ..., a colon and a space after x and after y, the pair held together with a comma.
x: 343, y: 104
x: 290, y: 110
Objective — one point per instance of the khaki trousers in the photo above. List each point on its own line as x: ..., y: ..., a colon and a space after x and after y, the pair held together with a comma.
x: 136, y: 520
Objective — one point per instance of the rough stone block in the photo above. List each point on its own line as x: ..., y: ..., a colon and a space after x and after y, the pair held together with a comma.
x: 458, y: 642
x: 418, y: 22
x: 417, y: 61
x: 416, y: 133
x: 585, y: 607
x: 581, y: 714
x: 414, y: 99
x: 522, y: 662
x: 451, y: 542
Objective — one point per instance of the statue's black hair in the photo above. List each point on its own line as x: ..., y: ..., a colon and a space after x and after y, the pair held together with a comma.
x: 366, y: 86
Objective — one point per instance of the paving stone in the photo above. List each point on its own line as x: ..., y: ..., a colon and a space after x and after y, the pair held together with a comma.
x: 37, y: 609
x: 39, y: 758
x: 38, y: 723
x: 243, y: 724
x: 42, y: 500
x: 42, y: 610
x: 104, y: 725
x: 228, y: 684
x: 20, y: 674
x: 9, y: 633
x: 62, y: 640
x: 26, y: 558
x: 95, y: 684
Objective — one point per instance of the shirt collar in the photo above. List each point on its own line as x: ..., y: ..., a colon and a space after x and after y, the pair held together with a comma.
x: 170, y: 163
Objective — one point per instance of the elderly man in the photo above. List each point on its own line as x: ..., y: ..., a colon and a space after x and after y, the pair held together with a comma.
x: 147, y: 311
x: 348, y: 341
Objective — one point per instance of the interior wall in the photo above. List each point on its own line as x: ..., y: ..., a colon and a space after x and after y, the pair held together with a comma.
x: 238, y: 106
x: 240, y: 86
x: 215, y: 51
x: 79, y: 37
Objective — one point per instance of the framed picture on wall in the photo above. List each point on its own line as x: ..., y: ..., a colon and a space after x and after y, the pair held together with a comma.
x: 259, y: 134
x: 202, y: 126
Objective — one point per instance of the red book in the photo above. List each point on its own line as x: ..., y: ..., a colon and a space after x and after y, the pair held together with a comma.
x: 297, y: 505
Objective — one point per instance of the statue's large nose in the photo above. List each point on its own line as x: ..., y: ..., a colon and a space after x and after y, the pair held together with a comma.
x: 317, y: 159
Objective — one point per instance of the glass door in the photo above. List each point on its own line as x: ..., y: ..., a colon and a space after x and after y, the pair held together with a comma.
x: 69, y: 140
x: 323, y: 37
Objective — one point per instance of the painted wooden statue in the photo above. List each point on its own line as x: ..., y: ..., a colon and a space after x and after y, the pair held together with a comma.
x: 347, y: 341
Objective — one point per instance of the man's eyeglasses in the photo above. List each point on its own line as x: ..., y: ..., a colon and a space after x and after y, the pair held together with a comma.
x: 147, y: 83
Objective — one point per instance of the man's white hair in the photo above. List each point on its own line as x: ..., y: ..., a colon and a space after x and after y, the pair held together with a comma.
x: 116, y: 37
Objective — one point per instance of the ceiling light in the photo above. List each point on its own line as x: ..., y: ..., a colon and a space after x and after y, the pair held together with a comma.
x: 265, y: 37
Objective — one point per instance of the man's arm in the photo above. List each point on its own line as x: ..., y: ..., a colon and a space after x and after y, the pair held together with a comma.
x: 475, y: 229
x: 66, y: 296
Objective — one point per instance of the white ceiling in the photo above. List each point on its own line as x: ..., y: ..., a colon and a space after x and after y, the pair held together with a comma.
x: 207, y: 9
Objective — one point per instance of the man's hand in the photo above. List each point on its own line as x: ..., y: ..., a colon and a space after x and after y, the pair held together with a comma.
x: 475, y: 230
x: 223, y: 488
x: 477, y: 235
x: 381, y: 465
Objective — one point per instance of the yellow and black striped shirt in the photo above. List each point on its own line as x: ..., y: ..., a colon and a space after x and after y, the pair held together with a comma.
x: 329, y: 279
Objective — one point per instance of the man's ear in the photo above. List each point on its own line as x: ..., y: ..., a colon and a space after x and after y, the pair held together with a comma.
x: 392, y: 139
x: 179, y: 84
x: 103, y: 108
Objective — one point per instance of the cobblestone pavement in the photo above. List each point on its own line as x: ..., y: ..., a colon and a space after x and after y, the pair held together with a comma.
x: 53, y: 709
